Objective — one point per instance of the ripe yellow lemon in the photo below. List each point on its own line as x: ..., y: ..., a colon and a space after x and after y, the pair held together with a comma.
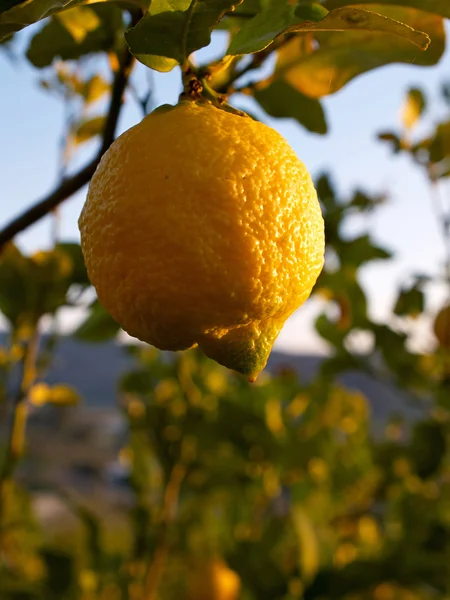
x: 442, y: 327
x: 203, y: 227
x: 214, y: 580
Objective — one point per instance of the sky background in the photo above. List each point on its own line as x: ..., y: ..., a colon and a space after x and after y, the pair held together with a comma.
x: 31, y: 122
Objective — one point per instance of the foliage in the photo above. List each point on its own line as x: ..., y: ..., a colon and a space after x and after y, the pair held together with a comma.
x: 289, y: 481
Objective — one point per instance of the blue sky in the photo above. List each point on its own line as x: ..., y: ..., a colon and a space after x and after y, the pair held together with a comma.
x: 31, y: 121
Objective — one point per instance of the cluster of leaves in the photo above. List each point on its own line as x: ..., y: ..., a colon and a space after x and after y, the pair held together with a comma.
x: 282, y: 479
x: 320, y: 45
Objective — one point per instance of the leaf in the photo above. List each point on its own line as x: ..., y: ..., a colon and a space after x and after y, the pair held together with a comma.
x: 73, y: 251
x: 173, y: 29
x: 281, y: 100
x: 413, y: 107
x: 326, y: 193
x: 60, y: 395
x: 410, y: 302
x: 392, y: 139
x: 438, y: 7
x: 308, y: 544
x: 79, y: 22
x: 360, y: 250
x: 329, y: 331
x: 88, y: 129
x: 260, y: 31
x: 98, y: 327
x: 14, y: 283
x: 339, y: 58
x: 94, y: 89
x: 57, y: 39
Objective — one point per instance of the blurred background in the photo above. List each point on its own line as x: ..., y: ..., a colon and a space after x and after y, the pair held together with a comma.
x: 129, y: 473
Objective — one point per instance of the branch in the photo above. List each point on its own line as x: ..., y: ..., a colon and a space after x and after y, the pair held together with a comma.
x: 71, y: 185
x: 157, y: 566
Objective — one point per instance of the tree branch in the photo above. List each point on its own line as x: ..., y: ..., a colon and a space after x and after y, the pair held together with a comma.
x: 72, y: 184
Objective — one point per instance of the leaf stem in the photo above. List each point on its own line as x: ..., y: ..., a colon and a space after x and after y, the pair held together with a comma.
x: 185, y: 33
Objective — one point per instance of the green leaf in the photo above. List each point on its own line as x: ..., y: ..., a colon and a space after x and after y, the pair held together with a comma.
x: 340, y: 57
x: 342, y: 19
x: 410, y: 302
x: 173, y: 29
x: 326, y: 193
x: 438, y: 7
x: 360, y: 250
x: 14, y: 283
x: 413, y: 107
x: 74, y: 34
x: 260, y: 31
x: 98, y: 327
x: 329, y: 331
x: 88, y: 129
x: 79, y: 22
x: 281, y: 100
x: 73, y: 251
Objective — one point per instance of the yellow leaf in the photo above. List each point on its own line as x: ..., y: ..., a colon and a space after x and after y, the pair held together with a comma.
x: 339, y: 58
x: 413, y: 107
x: 308, y: 544
x: 79, y: 21
x: 60, y: 395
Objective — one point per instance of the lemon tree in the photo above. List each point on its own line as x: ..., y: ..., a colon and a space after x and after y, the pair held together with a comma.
x: 202, y: 227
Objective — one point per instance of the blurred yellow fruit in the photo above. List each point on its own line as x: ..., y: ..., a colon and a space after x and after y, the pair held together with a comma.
x: 203, y: 227
x: 213, y: 580
x: 442, y: 327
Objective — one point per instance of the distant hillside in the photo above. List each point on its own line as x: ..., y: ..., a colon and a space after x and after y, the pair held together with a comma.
x: 94, y: 370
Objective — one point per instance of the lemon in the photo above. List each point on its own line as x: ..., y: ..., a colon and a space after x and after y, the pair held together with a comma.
x: 442, y: 327
x: 202, y: 227
x: 213, y: 580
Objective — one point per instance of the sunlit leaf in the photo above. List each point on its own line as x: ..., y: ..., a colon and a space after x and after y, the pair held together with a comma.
x: 259, y: 32
x: 308, y: 544
x: 340, y: 57
x: 438, y: 7
x: 58, y: 395
x: 413, y: 107
x: 71, y: 35
x: 88, y: 129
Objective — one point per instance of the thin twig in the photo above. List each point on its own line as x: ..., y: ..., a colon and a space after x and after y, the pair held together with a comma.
x: 16, y: 431
x: 71, y: 185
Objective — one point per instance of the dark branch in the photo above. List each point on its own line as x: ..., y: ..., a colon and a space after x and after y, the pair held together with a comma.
x: 73, y: 184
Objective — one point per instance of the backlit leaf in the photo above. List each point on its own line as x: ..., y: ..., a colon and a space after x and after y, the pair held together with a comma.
x: 260, y: 31
x: 438, y: 7
x: 340, y: 57
x: 88, y: 129
x: 413, y: 107
x: 64, y: 37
